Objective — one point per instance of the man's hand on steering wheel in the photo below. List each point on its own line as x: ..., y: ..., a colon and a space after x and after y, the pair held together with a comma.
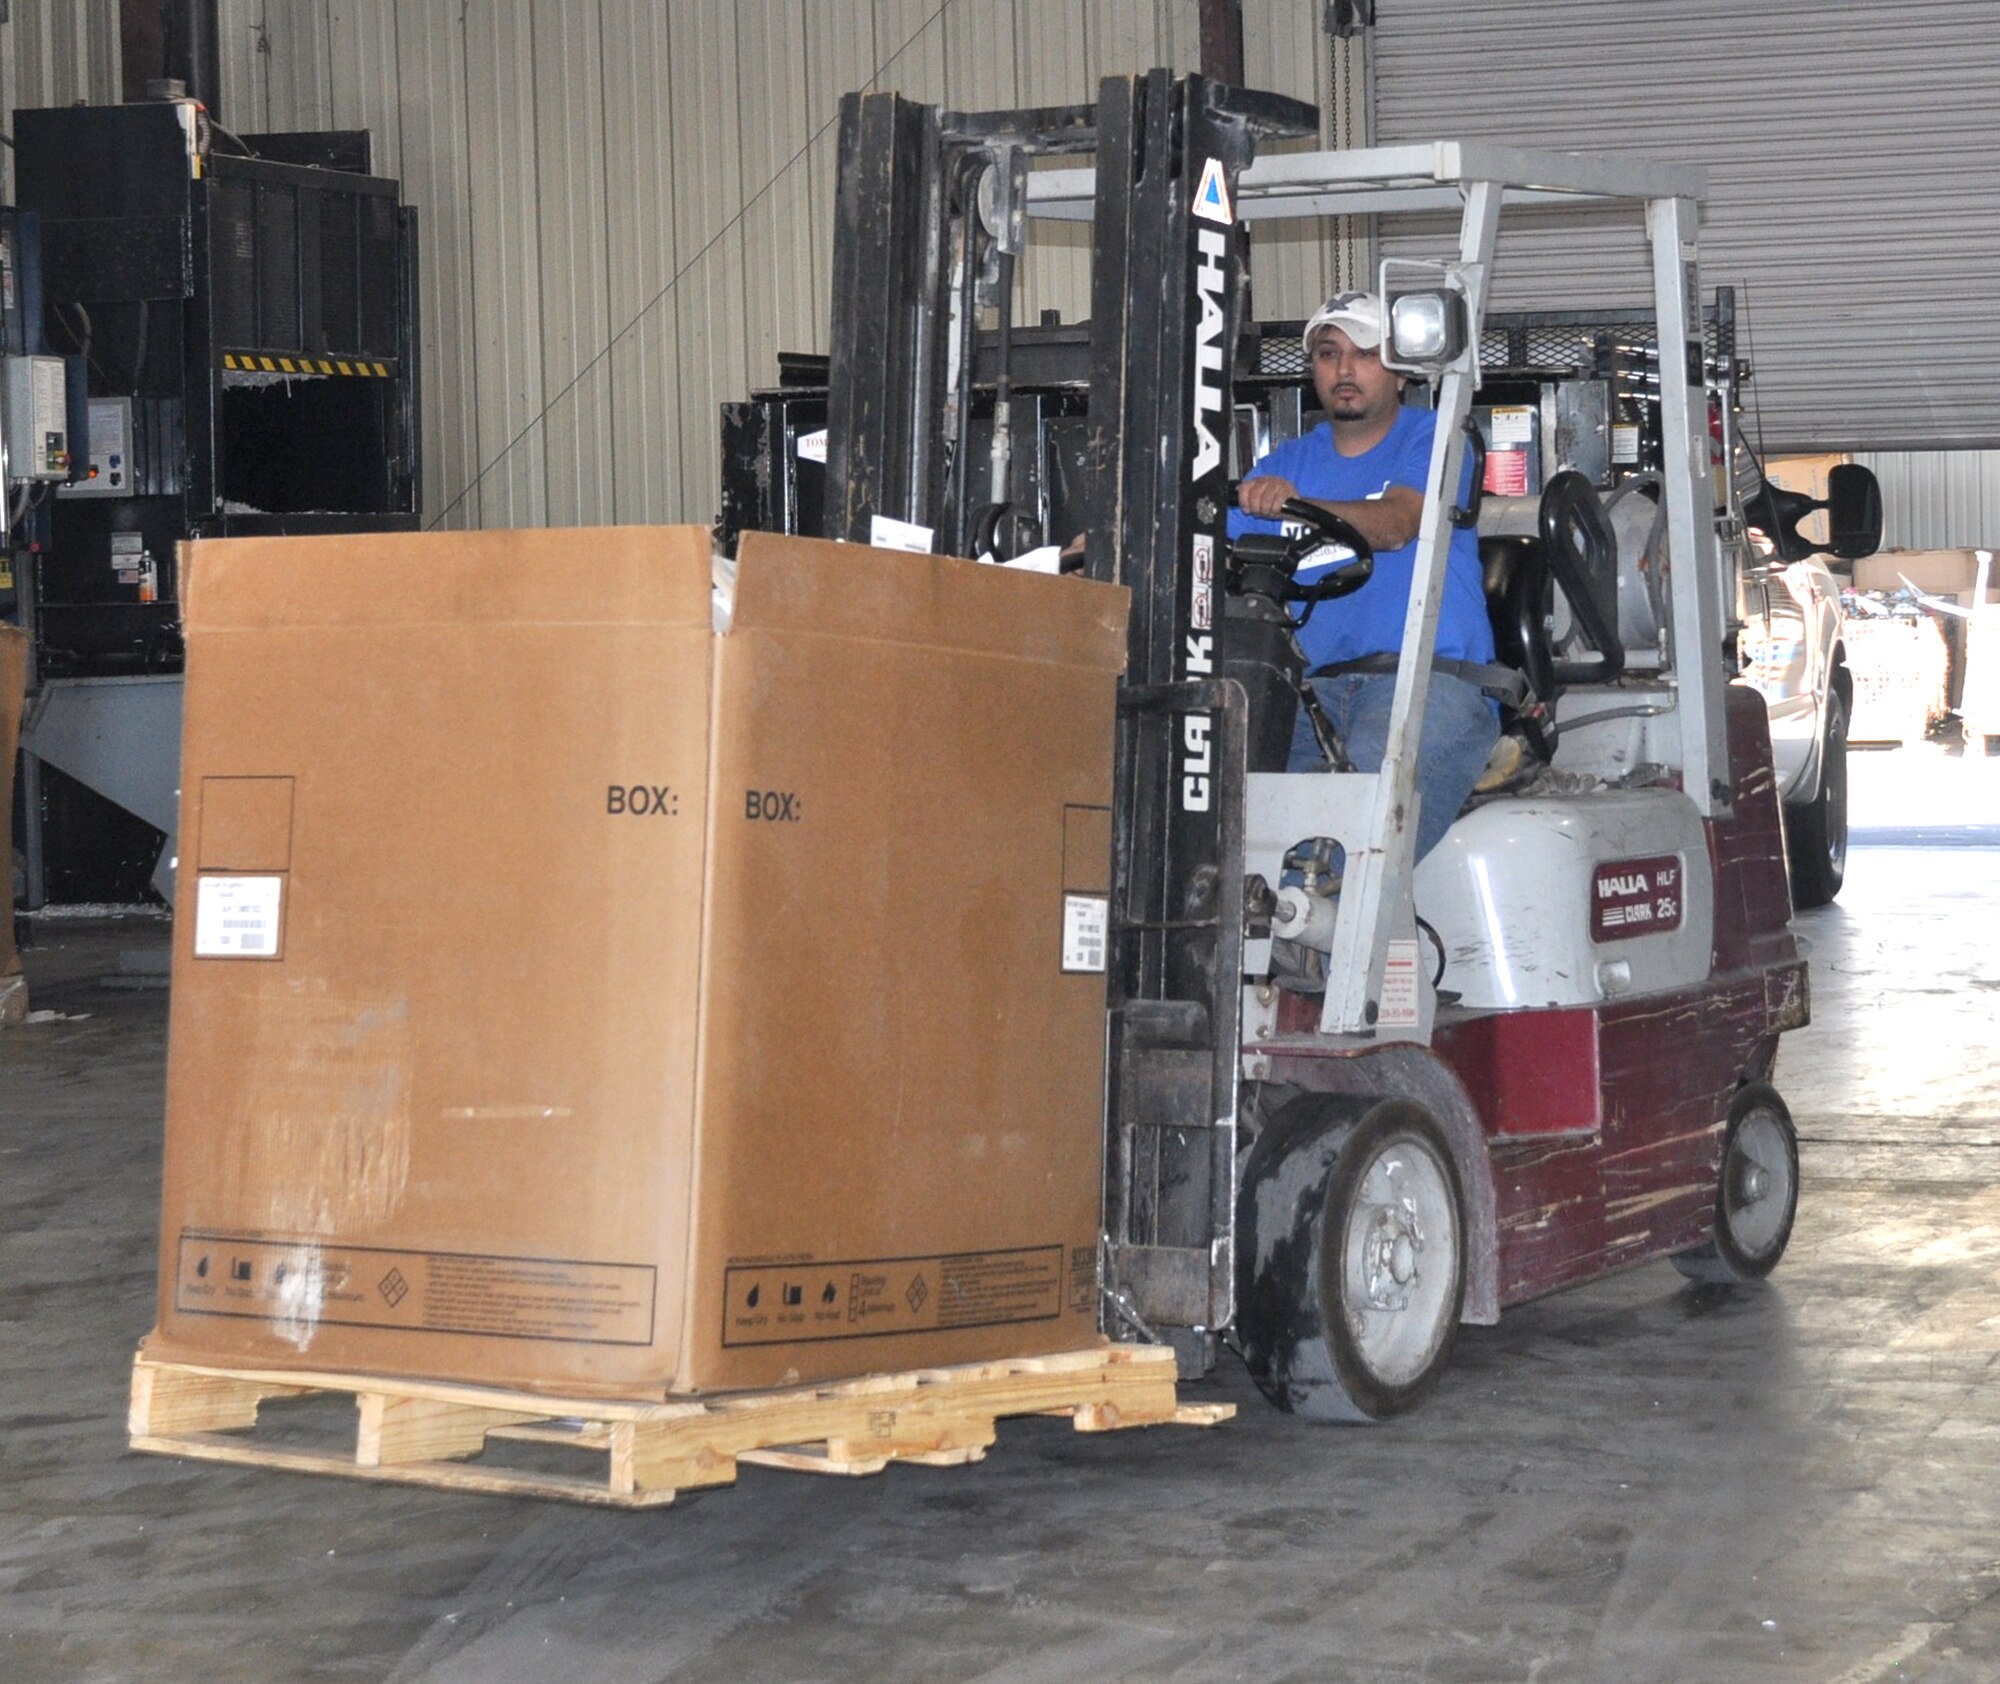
x: 1318, y: 526
x: 1265, y: 497
x: 1271, y: 497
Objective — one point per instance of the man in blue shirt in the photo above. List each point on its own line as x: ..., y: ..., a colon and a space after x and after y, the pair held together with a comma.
x: 1368, y: 462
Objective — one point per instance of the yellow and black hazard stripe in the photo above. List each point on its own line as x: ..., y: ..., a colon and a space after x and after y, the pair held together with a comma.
x: 262, y: 362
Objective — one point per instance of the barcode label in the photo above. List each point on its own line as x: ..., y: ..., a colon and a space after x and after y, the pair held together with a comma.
x: 1086, y: 919
x: 238, y: 917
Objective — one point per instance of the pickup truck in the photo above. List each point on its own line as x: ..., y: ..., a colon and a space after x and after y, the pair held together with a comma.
x: 1792, y: 649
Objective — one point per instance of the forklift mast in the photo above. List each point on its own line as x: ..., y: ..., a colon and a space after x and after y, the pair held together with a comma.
x: 1394, y: 1175
x: 929, y: 220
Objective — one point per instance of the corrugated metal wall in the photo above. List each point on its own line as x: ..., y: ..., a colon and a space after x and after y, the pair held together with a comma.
x: 56, y: 52
x: 661, y: 186
x: 1852, y: 156
x: 1938, y: 500
x: 627, y: 204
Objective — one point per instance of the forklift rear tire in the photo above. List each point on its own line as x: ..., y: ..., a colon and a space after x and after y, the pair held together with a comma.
x: 1757, y: 1195
x: 1351, y: 1232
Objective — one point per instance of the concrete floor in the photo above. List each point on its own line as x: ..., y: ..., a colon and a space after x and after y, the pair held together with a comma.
x: 1632, y: 1483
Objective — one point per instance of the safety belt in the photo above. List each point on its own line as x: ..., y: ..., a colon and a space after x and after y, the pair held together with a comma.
x: 1503, y: 684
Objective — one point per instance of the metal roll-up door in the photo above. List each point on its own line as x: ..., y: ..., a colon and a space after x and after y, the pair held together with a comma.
x: 1853, y: 158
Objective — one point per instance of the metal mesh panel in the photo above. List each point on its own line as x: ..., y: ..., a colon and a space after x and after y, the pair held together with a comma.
x: 234, y: 238
x: 1570, y: 343
x: 339, y: 298
x: 378, y: 276
x: 1279, y: 354
x: 1514, y: 342
x: 278, y: 269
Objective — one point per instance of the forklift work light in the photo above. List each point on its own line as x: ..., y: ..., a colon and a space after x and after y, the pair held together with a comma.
x: 1427, y: 315
x: 1427, y: 327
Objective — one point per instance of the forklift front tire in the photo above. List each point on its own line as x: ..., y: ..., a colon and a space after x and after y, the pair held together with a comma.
x: 1757, y: 1194
x: 1351, y: 1228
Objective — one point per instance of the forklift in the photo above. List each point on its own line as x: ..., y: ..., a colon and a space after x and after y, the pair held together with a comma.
x: 1352, y: 1100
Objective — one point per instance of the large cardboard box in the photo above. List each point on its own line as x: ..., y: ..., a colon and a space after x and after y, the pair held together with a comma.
x: 1951, y: 574
x: 1806, y: 474
x: 567, y: 996
x: 13, y: 679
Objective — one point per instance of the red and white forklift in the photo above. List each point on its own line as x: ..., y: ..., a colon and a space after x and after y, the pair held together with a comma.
x: 1348, y: 1109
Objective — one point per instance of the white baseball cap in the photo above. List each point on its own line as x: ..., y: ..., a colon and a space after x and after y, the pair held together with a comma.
x: 1356, y: 314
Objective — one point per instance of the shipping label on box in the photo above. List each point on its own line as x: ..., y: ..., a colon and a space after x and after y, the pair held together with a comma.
x: 238, y: 917
x: 1086, y: 927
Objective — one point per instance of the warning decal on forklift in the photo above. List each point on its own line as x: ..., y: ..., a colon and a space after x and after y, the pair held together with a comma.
x: 1635, y: 898
x: 1211, y: 197
x: 806, y: 1303
x: 1201, y: 594
x: 1401, y: 1006
x: 1086, y: 919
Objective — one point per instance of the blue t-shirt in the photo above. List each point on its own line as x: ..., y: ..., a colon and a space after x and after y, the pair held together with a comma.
x: 1370, y: 622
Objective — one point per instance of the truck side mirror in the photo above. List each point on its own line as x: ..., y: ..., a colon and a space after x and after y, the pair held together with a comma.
x: 1853, y: 511
x: 1776, y: 512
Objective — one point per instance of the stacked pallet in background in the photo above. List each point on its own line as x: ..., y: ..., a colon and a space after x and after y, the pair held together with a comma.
x: 1979, y: 703
x: 1899, y: 664
x: 1913, y: 661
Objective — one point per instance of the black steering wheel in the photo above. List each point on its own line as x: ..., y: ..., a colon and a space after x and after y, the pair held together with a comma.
x: 1266, y: 564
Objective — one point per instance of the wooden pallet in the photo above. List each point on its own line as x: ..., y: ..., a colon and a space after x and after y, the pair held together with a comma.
x: 415, y: 1432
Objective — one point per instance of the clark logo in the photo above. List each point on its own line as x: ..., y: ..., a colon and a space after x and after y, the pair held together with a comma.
x: 1197, y: 755
x: 642, y: 801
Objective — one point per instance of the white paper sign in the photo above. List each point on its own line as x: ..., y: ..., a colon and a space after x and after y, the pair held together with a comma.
x: 238, y: 917
x: 1399, y: 987
x: 812, y: 446
x: 1086, y: 925
x: 887, y: 534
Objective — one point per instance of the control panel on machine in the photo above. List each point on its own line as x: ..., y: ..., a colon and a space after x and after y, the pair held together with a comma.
x: 107, y: 469
x: 34, y: 407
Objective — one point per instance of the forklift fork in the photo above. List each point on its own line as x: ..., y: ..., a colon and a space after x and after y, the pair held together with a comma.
x: 1170, y: 1171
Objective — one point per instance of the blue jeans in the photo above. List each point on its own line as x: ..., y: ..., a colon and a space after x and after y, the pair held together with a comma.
x: 1460, y: 727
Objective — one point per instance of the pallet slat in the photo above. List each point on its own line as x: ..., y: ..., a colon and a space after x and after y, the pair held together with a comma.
x: 417, y: 1429
x: 168, y: 1400
x: 419, y: 1432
